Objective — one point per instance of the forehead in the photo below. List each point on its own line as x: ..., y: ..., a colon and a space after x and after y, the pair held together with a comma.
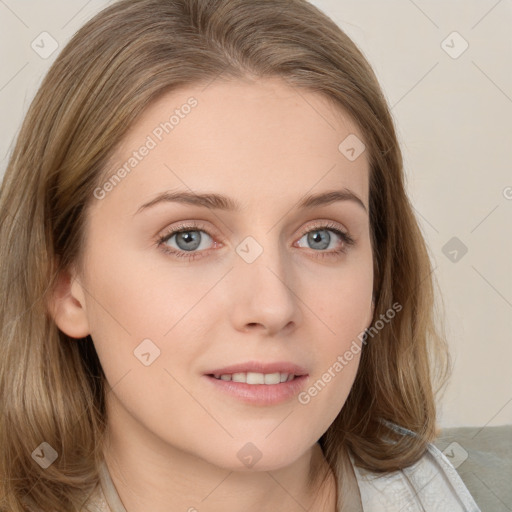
x: 251, y: 139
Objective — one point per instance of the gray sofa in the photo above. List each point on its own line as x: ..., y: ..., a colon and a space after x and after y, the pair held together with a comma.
x: 483, y: 459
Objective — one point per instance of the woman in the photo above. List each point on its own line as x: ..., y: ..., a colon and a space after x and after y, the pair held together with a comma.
x: 219, y: 297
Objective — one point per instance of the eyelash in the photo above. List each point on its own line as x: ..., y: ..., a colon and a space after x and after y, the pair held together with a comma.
x: 347, y: 240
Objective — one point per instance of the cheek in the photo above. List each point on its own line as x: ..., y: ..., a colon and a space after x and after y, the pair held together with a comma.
x: 345, y: 311
x: 343, y: 301
x: 135, y: 308
x: 129, y: 296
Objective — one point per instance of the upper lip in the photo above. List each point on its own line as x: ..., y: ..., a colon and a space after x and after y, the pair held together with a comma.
x: 260, y: 367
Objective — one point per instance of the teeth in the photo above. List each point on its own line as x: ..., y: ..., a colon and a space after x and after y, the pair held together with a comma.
x: 257, y: 378
x: 270, y: 378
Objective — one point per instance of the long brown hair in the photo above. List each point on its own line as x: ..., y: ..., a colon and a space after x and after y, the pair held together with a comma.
x: 52, y: 388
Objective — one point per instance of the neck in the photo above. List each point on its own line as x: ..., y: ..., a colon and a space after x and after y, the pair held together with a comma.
x: 148, y: 474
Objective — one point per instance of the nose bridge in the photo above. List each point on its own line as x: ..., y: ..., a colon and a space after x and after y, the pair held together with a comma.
x: 263, y: 290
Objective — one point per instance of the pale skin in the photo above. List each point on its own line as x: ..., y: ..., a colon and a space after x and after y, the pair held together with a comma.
x: 173, y: 437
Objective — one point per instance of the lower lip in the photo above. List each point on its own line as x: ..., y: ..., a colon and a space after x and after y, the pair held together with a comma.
x: 261, y: 394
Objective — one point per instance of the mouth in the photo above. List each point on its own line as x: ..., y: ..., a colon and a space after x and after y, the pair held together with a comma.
x: 259, y: 383
x: 253, y: 378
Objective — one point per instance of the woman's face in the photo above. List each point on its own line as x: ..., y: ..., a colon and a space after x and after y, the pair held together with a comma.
x: 267, y: 287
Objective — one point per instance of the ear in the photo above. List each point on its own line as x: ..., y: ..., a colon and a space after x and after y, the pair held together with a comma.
x: 67, y: 305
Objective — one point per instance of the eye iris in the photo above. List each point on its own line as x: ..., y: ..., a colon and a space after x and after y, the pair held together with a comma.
x: 187, y: 237
x: 313, y: 237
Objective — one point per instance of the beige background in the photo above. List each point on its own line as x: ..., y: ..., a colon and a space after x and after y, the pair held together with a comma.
x: 453, y: 116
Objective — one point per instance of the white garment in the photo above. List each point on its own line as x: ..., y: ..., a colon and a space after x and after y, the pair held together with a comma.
x: 430, y: 485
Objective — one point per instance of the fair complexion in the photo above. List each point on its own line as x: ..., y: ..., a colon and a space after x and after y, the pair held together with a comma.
x: 174, y: 436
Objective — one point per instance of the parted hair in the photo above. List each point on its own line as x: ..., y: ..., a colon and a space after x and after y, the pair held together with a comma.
x: 52, y: 387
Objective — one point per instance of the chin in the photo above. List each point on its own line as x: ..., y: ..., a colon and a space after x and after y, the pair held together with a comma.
x: 255, y: 456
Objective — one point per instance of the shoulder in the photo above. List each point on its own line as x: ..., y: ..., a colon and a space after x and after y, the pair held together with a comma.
x: 431, y: 484
x: 96, y: 502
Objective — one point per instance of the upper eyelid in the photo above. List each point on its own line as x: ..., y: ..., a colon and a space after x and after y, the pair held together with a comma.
x: 199, y: 226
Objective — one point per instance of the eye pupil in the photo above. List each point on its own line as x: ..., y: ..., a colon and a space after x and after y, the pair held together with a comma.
x: 316, y: 237
x: 187, y: 237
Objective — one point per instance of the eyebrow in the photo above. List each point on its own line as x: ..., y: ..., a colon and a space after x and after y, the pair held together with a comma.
x: 222, y: 202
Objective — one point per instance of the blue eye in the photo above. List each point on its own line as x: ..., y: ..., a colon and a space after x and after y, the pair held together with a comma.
x: 319, y: 239
x: 190, y: 240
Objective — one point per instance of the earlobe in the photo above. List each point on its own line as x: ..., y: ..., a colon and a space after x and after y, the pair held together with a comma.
x: 67, y: 306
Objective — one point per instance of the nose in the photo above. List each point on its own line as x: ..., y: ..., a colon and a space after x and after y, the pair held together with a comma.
x: 263, y: 293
